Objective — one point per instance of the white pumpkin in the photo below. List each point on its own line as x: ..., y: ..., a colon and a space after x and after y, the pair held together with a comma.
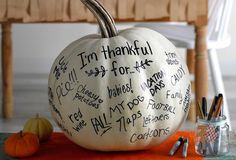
x: 126, y: 91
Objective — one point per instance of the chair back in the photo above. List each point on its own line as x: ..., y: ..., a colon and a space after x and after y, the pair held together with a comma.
x: 218, y: 18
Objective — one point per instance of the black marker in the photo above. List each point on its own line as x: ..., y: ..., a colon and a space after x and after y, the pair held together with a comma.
x: 204, y: 107
x: 185, y: 148
x: 212, y: 109
x: 176, y: 146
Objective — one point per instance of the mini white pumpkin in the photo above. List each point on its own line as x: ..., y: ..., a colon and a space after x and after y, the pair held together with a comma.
x: 122, y: 91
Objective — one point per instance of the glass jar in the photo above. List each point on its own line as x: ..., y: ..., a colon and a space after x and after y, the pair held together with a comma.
x: 212, y: 137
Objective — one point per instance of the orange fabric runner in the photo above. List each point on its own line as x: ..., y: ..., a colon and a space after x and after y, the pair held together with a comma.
x: 61, y: 148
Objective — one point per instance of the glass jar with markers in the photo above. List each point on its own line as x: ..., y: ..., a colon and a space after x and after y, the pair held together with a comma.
x: 212, y: 137
x: 212, y: 130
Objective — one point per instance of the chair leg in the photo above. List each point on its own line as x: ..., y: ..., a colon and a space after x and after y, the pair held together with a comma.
x: 201, y: 65
x: 7, y: 95
x: 191, y: 67
x: 218, y: 81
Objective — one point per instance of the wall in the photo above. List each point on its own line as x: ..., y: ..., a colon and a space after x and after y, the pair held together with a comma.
x: 37, y: 45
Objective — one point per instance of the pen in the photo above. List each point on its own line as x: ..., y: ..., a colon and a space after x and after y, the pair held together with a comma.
x: 176, y: 146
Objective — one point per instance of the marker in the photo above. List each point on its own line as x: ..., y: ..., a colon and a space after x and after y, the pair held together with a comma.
x: 185, y: 148
x: 221, y: 112
x: 204, y: 106
x: 212, y: 109
x: 176, y: 146
x: 217, y: 142
x: 201, y: 116
x: 218, y: 107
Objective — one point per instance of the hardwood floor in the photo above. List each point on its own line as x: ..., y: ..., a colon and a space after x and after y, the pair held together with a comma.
x: 30, y: 98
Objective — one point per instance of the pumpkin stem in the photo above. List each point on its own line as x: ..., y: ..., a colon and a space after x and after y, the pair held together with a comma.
x: 101, y: 23
x: 105, y: 20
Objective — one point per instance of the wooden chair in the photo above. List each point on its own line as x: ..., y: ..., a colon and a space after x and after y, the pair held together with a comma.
x: 183, y: 36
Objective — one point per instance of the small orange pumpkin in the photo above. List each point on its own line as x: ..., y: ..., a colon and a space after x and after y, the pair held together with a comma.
x: 21, y: 144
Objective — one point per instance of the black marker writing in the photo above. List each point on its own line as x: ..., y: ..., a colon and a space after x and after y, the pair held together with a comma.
x: 150, y: 119
x: 135, y: 102
x: 142, y: 64
x: 86, y: 59
x: 119, y: 89
x: 174, y: 95
x: 85, y: 95
x: 101, y: 125
x: 150, y: 133
x: 128, y: 49
x: 124, y: 121
x: 73, y: 76
x: 187, y: 98
x: 160, y: 106
x: 121, y: 70
x: 177, y: 76
x: 97, y: 71
x: 117, y: 108
x: 60, y: 68
x: 154, y: 83
x: 74, y: 117
x: 63, y: 89
x: 171, y: 58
